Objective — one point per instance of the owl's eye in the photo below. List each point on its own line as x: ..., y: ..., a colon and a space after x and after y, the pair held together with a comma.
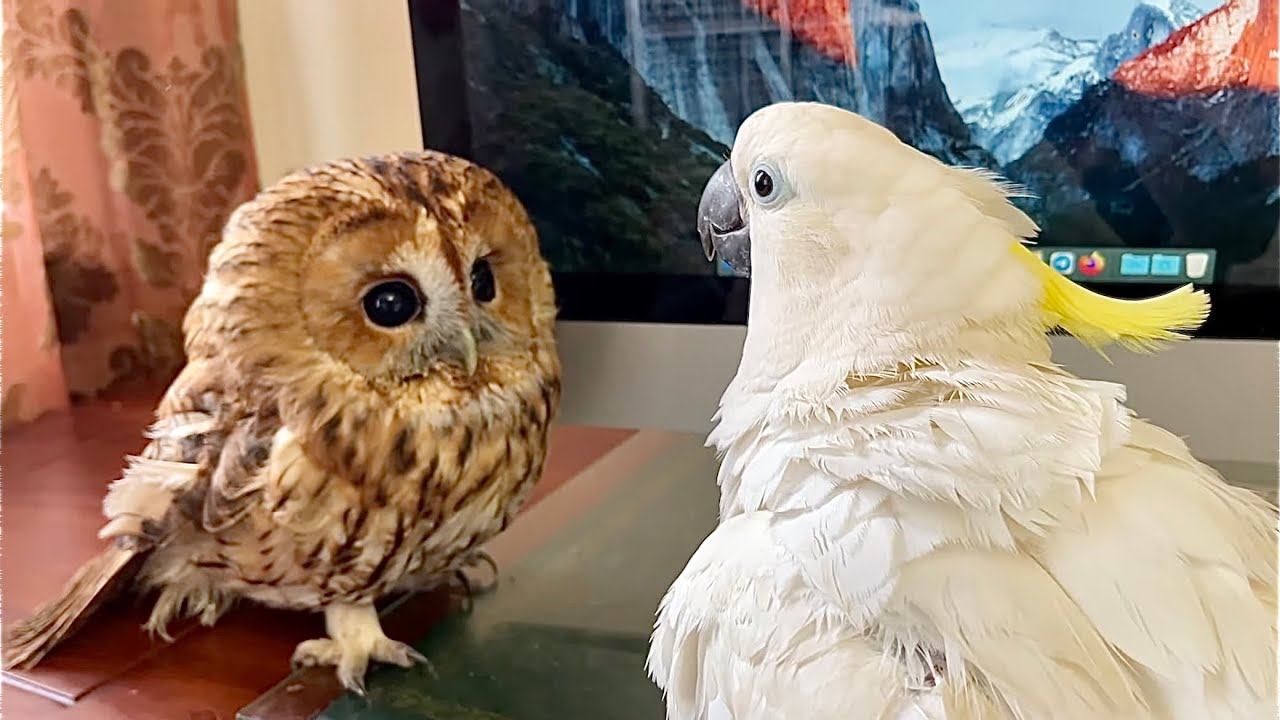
x: 391, y: 303
x: 483, y: 286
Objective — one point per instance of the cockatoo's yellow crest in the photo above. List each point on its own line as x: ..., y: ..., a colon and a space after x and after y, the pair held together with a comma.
x: 1098, y: 320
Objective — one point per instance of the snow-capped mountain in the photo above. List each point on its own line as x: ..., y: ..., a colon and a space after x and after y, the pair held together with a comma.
x: 1043, y: 73
x: 1043, y: 78
x: 1178, y: 147
x: 1183, y: 12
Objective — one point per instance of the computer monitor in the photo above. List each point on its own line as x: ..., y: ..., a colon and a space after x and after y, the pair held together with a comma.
x: 1147, y: 131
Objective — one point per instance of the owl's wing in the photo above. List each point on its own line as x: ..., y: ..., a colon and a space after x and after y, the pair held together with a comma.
x: 202, y: 464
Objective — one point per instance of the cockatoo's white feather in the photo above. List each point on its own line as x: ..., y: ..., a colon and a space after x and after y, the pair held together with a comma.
x: 716, y: 658
x: 922, y: 516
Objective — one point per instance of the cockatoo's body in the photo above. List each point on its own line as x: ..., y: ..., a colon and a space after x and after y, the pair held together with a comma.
x: 923, y: 517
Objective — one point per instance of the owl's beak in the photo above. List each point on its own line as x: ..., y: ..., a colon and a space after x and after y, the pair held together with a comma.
x: 462, y: 351
x: 470, y: 355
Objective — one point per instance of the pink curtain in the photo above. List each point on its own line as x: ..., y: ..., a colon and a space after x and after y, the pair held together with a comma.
x: 126, y: 146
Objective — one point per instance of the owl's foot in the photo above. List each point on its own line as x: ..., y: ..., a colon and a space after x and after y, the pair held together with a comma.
x: 355, y: 638
x: 471, y: 588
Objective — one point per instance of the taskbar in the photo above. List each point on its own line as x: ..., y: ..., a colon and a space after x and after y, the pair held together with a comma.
x: 1113, y: 264
x: 1130, y: 265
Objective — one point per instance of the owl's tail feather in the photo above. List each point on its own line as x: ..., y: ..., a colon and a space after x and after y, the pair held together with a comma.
x: 93, y: 584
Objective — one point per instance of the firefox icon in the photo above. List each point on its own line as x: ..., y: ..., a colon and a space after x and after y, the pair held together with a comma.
x: 1091, y: 265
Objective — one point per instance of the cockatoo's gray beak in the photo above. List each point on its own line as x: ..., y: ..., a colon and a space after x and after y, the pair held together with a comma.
x: 721, y: 227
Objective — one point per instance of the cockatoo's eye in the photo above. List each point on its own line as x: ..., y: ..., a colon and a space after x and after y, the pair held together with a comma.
x: 391, y: 303
x: 763, y: 184
x: 767, y: 185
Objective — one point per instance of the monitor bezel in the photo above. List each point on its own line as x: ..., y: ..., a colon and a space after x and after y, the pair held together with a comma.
x: 1245, y: 312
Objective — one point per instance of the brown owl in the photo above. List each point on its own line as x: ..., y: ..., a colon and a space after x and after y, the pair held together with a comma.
x: 371, y: 375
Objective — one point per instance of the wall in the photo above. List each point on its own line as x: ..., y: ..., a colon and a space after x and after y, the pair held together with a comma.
x: 1218, y: 394
x: 328, y: 79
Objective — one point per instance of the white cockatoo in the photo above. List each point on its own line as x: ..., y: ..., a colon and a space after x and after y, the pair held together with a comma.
x: 921, y: 515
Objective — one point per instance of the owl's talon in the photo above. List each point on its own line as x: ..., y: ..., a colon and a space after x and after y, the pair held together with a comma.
x: 416, y: 656
x: 483, y: 558
x: 351, y: 670
x: 464, y: 586
x: 460, y: 577
x: 397, y: 653
x: 473, y: 560
x: 210, y: 614
x: 353, y: 683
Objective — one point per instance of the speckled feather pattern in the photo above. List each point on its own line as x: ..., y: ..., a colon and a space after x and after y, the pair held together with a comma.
x: 305, y: 458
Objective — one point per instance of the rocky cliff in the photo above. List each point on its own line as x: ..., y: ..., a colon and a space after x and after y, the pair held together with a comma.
x: 713, y: 62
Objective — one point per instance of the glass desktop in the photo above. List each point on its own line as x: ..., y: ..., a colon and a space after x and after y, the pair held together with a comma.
x: 565, y: 633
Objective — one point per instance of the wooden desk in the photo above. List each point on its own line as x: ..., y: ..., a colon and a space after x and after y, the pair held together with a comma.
x: 55, y: 471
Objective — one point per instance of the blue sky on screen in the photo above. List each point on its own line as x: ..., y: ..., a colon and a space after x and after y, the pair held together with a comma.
x: 1079, y: 19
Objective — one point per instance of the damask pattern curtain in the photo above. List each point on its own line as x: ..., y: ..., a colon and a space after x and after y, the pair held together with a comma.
x: 126, y: 146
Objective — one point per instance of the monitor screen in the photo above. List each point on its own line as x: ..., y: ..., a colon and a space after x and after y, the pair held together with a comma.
x: 1145, y: 132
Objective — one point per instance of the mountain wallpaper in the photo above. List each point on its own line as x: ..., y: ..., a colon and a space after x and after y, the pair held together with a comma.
x: 1148, y: 123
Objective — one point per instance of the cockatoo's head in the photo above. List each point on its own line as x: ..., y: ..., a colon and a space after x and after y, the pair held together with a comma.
x: 865, y: 253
